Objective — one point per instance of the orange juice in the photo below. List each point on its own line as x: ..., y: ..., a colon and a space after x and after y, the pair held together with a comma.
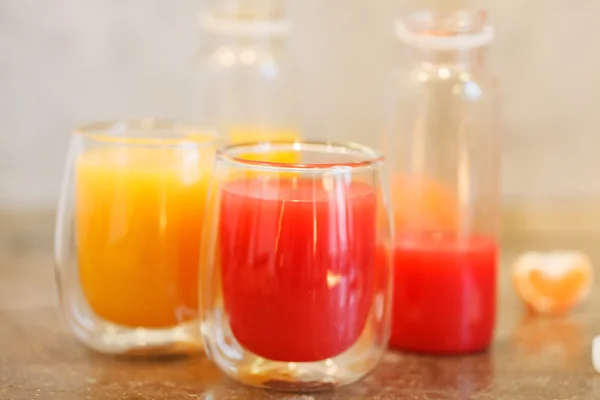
x: 239, y: 134
x: 423, y: 205
x: 139, y: 219
x: 246, y: 134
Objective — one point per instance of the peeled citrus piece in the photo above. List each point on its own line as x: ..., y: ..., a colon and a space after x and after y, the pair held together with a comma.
x: 554, y: 282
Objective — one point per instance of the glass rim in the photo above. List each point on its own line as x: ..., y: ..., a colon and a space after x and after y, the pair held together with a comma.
x: 372, y: 156
x: 121, y: 131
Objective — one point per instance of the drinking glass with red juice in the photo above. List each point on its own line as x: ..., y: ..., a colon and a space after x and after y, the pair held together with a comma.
x: 297, y: 297
x: 444, y: 156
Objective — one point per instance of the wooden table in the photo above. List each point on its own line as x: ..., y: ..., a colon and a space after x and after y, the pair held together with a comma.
x: 532, y: 358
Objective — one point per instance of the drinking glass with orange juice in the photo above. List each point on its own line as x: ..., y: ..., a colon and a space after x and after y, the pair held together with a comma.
x: 129, y: 234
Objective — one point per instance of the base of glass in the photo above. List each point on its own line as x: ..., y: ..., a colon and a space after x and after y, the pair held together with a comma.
x: 115, y: 339
x: 303, y: 377
x: 251, y: 369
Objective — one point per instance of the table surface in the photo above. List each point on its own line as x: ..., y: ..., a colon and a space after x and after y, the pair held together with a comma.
x: 532, y: 357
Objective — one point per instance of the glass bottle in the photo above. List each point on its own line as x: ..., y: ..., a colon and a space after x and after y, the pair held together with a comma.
x: 244, y: 82
x: 128, y: 235
x: 297, y: 281
x: 442, y: 146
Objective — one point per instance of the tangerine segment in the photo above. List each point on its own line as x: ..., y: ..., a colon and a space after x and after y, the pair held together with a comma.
x: 554, y: 282
x: 423, y: 204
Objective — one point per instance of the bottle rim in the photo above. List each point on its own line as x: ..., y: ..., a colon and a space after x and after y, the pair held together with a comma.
x: 245, y: 27
x: 469, y: 29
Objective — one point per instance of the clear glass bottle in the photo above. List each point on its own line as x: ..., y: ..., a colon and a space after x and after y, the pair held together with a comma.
x: 244, y: 83
x: 128, y: 235
x: 254, y: 10
x: 442, y: 146
x: 297, y: 282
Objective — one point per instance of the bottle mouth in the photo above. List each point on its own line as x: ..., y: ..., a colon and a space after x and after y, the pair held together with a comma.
x: 243, y: 25
x: 248, y: 9
x: 456, y: 30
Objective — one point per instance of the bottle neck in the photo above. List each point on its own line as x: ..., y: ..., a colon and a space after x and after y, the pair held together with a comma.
x: 248, y: 9
x: 242, y: 33
x: 466, y: 58
x: 250, y: 41
x: 244, y: 29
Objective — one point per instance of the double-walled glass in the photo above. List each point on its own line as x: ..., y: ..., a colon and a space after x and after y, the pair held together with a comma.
x: 128, y: 235
x: 297, y: 281
x: 442, y: 146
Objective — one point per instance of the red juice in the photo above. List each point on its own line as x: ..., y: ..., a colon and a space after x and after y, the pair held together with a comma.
x: 444, y: 294
x: 297, y: 265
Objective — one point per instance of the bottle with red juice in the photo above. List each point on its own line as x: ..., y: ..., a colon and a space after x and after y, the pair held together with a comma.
x: 442, y: 149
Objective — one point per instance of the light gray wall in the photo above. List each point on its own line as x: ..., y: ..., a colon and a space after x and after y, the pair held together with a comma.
x: 65, y: 62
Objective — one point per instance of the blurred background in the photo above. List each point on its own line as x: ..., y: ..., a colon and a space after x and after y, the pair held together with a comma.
x: 67, y: 62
